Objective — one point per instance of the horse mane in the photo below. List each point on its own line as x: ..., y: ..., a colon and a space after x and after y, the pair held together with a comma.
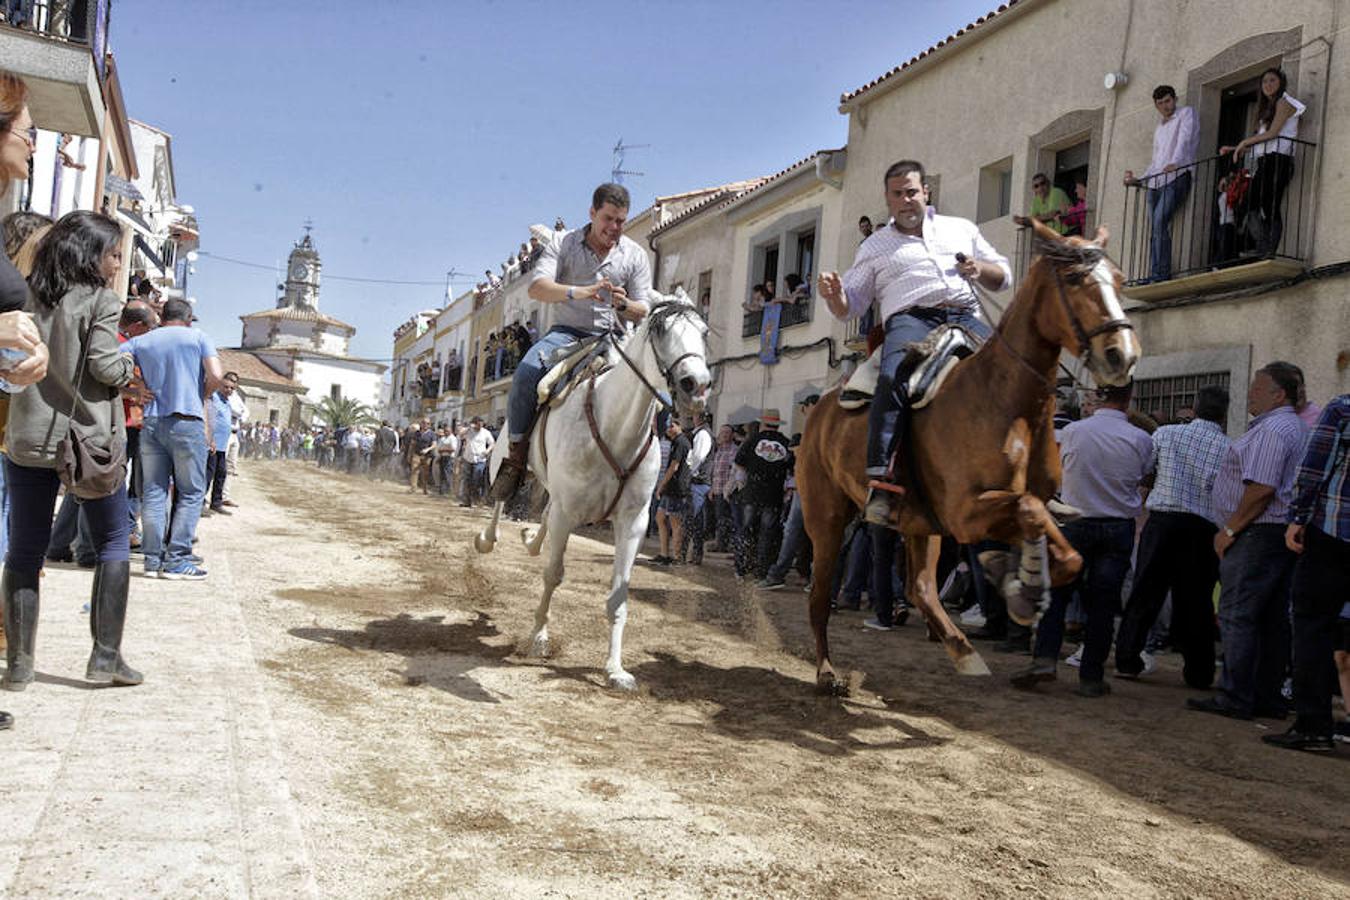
x: 1074, y: 257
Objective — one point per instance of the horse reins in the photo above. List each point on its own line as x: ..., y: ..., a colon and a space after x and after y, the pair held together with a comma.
x: 623, y: 473
x: 1083, y: 336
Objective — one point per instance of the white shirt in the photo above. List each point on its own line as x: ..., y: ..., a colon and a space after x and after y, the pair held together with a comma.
x: 238, y: 411
x: 1175, y: 141
x: 702, y: 446
x: 903, y: 272
x: 477, y: 445
x: 1289, y: 130
x: 447, y: 445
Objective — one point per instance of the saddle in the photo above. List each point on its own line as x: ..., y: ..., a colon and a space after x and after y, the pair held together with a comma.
x: 570, y: 365
x: 925, y: 367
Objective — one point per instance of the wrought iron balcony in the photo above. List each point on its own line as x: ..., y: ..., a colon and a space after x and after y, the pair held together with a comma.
x: 1230, y: 224
x: 60, y: 50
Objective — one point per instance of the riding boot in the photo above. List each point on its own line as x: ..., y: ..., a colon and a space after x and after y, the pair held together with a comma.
x: 511, y: 471
x: 21, y: 615
x: 107, y: 614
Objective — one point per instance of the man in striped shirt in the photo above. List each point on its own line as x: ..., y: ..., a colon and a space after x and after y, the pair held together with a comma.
x: 1252, y: 493
x: 910, y: 268
x: 1176, y: 548
x: 1319, y: 532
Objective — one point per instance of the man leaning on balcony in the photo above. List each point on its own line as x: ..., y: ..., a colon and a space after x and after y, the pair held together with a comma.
x: 1168, y: 177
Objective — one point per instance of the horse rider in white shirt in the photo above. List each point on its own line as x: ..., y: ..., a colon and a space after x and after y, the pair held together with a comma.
x: 910, y: 269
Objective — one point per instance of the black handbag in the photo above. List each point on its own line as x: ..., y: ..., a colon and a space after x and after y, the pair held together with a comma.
x: 87, y: 467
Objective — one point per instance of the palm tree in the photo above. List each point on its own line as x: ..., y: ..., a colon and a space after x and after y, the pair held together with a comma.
x: 344, y: 412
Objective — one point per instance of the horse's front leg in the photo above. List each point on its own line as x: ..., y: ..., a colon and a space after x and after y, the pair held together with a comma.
x: 630, y: 527
x: 1065, y: 562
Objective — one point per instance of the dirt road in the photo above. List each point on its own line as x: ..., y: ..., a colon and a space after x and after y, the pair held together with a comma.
x: 429, y: 758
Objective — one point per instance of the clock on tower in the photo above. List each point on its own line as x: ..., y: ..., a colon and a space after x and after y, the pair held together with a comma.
x: 302, y: 276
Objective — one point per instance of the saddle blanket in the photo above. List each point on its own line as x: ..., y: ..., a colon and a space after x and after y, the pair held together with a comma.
x: 925, y: 367
x: 571, y: 364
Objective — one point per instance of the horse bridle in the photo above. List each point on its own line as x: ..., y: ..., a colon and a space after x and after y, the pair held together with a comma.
x: 1083, y: 336
x: 667, y: 372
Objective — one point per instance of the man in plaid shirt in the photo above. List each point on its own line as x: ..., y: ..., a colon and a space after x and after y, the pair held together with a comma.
x: 1252, y: 493
x: 1319, y: 532
x: 1176, y: 548
x: 723, y: 458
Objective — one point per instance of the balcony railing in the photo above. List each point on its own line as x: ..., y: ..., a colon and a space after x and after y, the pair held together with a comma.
x: 1257, y: 230
x: 752, y: 323
x: 1022, y: 254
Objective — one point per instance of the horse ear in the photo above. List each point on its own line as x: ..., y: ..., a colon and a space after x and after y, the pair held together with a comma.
x: 680, y: 296
x: 1101, y: 237
x: 1045, y: 232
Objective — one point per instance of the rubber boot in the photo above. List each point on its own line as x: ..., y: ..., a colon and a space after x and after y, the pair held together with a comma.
x: 21, y: 615
x: 511, y: 471
x: 107, y: 614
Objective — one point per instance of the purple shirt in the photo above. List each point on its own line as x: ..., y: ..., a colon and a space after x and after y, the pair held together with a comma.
x: 1104, y: 459
x: 1267, y: 454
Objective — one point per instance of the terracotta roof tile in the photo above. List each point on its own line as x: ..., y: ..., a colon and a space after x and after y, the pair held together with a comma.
x: 296, y: 314
x: 982, y: 20
x: 725, y: 193
x: 251, y: 368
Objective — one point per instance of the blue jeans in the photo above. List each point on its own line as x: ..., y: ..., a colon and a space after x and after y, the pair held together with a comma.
x: 793, y: 533
x: 65, y: 528
x: 475, y: 481
x: 4, y: 508
x: 1255, y: 575
x: 902, y: 329
x: 32, y: 494
x: 521, y: 404
x: 761, y: 528
x: 1105, y: 545
x: 851, y: 577
x: 885, y: 585
x: 171, y: 447
x: 1162, y: 205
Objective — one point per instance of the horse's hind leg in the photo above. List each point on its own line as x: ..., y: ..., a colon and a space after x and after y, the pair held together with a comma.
x: 921, y: 558
x: 553, y: 576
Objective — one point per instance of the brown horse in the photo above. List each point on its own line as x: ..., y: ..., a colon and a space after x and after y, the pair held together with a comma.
x: 984, y: 452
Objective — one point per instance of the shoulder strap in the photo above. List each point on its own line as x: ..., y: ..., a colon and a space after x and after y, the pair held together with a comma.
x: 79, y: 373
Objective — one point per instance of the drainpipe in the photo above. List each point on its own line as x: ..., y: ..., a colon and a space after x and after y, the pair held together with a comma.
x: 656, y: 261
x: 821, y: 160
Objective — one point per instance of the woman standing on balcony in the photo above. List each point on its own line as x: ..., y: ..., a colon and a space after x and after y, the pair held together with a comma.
x: 1272, y: 155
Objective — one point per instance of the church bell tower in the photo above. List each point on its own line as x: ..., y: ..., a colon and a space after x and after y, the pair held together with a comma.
x: 302, y: 275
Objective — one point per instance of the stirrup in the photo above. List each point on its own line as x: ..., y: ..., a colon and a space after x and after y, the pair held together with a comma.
x: 891, y: 488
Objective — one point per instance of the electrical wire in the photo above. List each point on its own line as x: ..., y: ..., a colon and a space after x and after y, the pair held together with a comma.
x: 394, y: 281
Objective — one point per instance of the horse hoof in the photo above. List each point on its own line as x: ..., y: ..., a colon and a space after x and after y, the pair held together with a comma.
x: 830, y: 685
x: 972, y: 664
x: 1021, y: 612
x: 528, y: 540
x: 482, y: 544
x: 622, y: 681
x: 540, y: 647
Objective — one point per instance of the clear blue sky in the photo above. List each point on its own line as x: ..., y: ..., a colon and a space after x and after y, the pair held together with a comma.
x: 421, y: 136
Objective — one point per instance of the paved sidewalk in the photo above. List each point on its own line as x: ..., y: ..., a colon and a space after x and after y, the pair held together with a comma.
x: 172, y: 788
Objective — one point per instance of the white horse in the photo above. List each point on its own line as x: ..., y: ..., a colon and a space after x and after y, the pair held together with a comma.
x: 574, y: 455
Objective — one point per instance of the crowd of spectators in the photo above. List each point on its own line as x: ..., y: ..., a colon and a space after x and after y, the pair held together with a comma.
x: 516, y: 264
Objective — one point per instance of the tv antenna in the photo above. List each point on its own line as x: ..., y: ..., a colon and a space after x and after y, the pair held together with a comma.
x: 616, y: 174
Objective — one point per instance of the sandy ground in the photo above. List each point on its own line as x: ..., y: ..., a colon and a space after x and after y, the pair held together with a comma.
x: 429, y: 758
